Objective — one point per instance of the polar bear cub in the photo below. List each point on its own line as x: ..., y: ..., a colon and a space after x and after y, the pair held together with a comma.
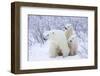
x: 73, y: 45
x: 71, y: 38
x: 69, y: 30
x: 57, y: 43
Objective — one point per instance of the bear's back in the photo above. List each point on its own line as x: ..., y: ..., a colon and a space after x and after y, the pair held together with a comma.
x: 60, y: 37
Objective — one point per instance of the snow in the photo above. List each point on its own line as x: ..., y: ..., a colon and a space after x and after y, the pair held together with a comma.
x: 40, y: 52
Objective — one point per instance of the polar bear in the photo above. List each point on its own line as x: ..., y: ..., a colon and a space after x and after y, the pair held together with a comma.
x: 71, y: 38
x: 69, y: 30
x: 73, y: 45
x: 57, y: 43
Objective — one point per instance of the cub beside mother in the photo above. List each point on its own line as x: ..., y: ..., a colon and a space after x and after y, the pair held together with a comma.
x: 71, y: 38
x: 64, y: 42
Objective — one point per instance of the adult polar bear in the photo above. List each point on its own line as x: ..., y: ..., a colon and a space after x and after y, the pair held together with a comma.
x: 71, y: 38
x: 57, y: 43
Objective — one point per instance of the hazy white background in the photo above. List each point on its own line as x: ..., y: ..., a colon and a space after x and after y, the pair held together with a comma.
x: 5, y: 41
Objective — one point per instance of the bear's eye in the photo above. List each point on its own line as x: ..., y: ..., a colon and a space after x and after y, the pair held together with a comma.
x: 70, y: 40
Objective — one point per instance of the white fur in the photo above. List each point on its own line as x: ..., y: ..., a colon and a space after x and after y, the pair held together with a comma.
x: 69, y: 31
x: 58, y: 43
x: 71, y: 38
x: 73, y: 45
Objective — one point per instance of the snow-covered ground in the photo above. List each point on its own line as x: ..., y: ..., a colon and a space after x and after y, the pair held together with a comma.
x: 39, y: 52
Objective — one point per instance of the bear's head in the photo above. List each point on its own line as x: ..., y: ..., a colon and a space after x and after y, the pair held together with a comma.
x: 68, y: 27
x: 69, y: 30
x: 72, y: 39
x: 48, y: 34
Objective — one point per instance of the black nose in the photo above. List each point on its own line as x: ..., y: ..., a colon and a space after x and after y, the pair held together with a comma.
x: 44, y: 39
x: 65, y: 28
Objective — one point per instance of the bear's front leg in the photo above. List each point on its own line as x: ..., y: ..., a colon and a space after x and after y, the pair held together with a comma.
x: 72, y: 53
x: 52, y: 51
x: 65, y: 52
